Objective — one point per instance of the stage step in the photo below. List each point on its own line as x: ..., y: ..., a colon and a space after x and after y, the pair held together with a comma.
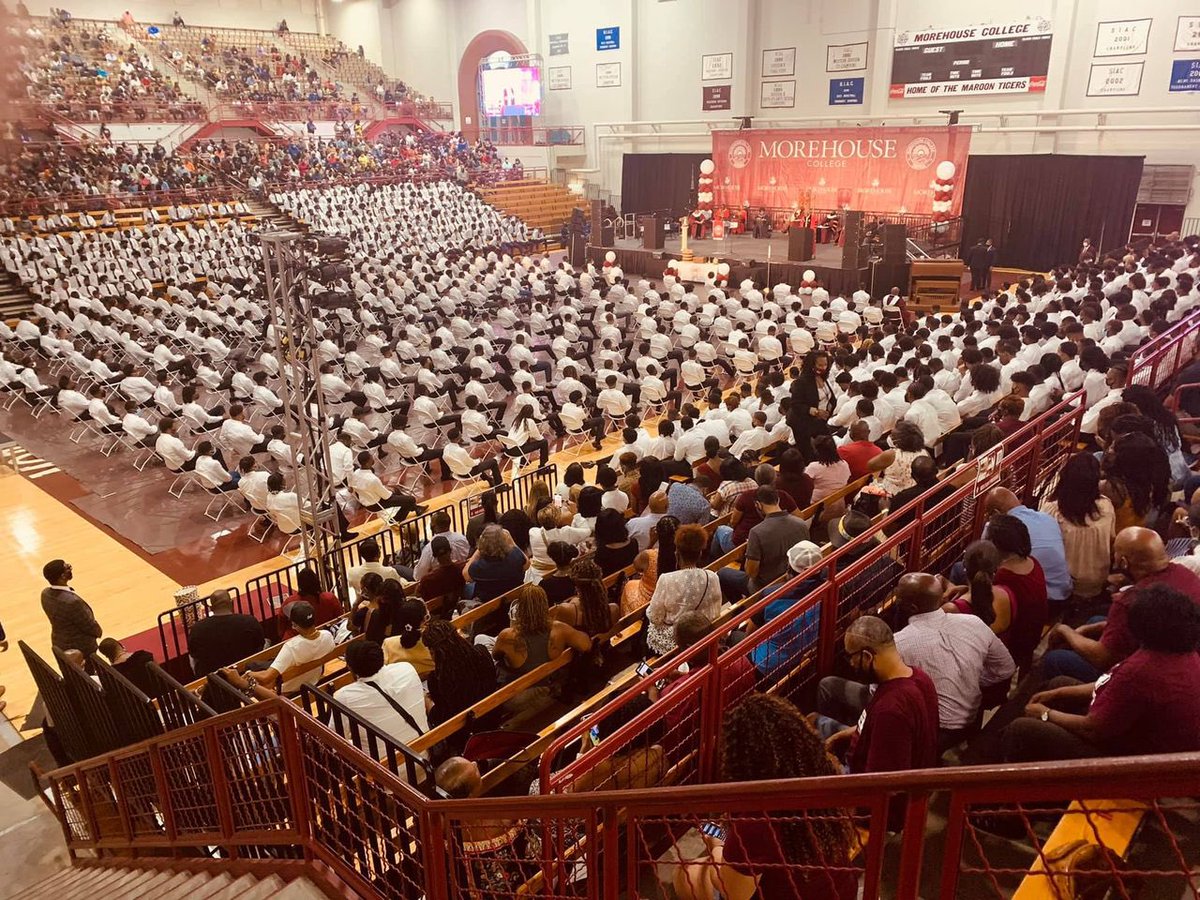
x: 125, y: 880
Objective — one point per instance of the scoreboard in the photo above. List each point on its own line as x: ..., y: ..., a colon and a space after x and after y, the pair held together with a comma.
x: 999, y: 58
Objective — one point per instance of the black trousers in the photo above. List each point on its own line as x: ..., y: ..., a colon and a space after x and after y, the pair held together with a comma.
x: 488, y: 468
x: 542, y: 447
x: 401, y: 500
x: 595, y: 425
x: 1032, y: 740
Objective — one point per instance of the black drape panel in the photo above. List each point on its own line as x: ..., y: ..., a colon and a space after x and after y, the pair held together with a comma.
x: 660, y: 182
x: 1038, y: 208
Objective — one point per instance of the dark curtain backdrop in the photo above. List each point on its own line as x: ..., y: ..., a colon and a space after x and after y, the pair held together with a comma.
x: 1038, y: 208
x: 654, y: 182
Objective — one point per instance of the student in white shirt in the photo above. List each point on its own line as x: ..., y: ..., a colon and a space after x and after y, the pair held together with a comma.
x: 458, y: 460
x: 171, y: 450
x: 309, y: 645
x: 134, y: 425
x: 212, y: 471
x: 374, y: 495
x: 253, y: 483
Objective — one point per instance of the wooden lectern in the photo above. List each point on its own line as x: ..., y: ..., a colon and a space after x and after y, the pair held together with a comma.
x: 934, y: 285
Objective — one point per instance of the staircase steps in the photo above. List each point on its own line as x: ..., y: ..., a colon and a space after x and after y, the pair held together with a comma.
x: 130, y: 882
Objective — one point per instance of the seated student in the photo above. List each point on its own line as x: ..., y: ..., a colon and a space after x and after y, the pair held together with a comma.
x: 374, y: 495
x: 457, y: 459
x: 1147, y: 703
x: 211, y: 470
x: 170, y: 449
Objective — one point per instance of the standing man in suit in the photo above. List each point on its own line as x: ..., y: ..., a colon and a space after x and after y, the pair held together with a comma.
x: 977, y: 262
x: 990, y: 260
x: 72, y: 624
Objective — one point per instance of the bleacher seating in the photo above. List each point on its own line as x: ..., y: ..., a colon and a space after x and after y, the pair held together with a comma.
x: 538, y: 203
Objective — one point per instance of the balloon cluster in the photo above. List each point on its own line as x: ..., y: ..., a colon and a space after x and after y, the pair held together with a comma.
x: 808, y: 281
x: 704, y: 189
x: 718, y: 276
x: 943, y: 194
x: 612, y: 272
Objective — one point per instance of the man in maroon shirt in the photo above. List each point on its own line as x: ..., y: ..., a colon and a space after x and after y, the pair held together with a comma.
x: 1149, y: 703
x: 898, y: 729
x: 1140, y: 559
x: 859, y: 451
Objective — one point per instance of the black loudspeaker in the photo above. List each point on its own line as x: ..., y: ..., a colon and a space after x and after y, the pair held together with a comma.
x: 608, y: 235
x: 578, y: 249
x: 597, y: 217
x: 800, y: 244
x: 894, y: 240
x: 652, y: 233
x: 852, y: 231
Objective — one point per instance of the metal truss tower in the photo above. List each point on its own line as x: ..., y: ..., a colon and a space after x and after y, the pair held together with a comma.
x: 287, y: 265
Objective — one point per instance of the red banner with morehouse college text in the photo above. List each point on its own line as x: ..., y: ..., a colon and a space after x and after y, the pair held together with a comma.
x: 895, y: 170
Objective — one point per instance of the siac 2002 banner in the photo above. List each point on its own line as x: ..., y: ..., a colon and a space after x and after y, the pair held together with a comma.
x: 893, y: 170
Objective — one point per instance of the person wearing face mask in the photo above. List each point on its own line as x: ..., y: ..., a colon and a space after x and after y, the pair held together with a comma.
x: 1139, y: 560
x: 895, y: 708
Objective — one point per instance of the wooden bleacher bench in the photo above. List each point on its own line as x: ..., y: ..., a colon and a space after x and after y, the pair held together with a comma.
x: 1110, y: 823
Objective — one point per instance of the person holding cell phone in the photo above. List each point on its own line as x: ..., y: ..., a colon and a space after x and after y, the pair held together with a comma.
x: 776, y: 854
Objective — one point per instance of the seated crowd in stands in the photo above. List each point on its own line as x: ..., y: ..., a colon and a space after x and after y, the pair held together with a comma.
x: 85, y: 73
x: 760, y: 430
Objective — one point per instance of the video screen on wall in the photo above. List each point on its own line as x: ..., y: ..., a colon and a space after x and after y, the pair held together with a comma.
x: 512, y: 92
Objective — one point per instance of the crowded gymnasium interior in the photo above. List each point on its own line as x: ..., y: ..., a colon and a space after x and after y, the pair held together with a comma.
x: 677, y: 449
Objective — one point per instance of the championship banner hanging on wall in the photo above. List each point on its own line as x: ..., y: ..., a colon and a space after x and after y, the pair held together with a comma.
x: 896, y: 170
x: 999, y: 58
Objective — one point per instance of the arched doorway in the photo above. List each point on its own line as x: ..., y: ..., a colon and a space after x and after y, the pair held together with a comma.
x: 482, y: 45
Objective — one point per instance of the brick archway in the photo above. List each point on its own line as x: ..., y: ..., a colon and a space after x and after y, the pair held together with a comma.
x: 482, y: 45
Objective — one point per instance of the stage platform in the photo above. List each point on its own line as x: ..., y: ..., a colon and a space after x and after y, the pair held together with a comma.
x: 747, y: 258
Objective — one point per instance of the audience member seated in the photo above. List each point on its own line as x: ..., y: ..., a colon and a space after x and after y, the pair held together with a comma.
x: 687, y: 589
x: 1139, y: 561
x: 389, y: 696
x: 766, y: 737
x: 1087, y: 521
x: 961, y: 655
x: 897, y: 721
x: 309, y: 644
x: 1149, y: 702
x: 223, y: 637
x: 326, y: 606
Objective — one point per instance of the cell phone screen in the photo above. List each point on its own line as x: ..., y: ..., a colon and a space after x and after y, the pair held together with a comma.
x: 643, y: 670
x: 713, y: 830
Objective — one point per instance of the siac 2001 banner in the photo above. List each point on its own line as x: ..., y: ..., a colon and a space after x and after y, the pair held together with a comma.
x: 893, y: 170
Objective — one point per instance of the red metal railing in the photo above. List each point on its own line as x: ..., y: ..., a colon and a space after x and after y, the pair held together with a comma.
x: 1156, y: 363
x: 795, y: 649
x: 268, y: 782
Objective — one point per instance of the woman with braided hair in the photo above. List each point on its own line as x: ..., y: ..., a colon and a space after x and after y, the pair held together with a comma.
x: 463, y: 673
x: 589, y: 610
x: 792, y: 853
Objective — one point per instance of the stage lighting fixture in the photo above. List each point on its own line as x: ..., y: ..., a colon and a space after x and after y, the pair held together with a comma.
x: 743, y: 122
x: 952, y: 113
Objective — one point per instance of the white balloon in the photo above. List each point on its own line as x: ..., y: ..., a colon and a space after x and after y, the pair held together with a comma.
x: 708, y: 167
x: 810, y: 275
x: 610, y: 257
x: 723, y: 269
x: 945, y: 170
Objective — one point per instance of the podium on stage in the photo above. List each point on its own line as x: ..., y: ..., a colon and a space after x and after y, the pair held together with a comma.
x: 800, y: 244
x: 653, y: 235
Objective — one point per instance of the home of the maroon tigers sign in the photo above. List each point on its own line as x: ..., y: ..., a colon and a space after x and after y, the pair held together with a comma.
x: 898, y: 170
